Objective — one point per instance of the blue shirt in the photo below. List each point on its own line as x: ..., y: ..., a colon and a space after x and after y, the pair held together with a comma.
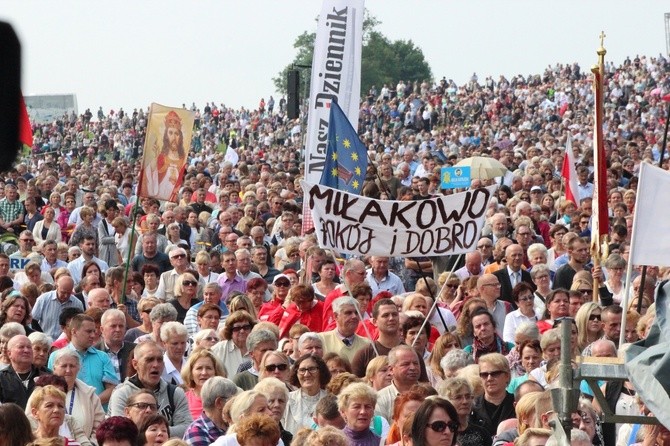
x: 47, y: 310
x: 96, y: 368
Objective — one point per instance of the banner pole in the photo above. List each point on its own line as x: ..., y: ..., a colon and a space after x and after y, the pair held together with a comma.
x: 130, y: 251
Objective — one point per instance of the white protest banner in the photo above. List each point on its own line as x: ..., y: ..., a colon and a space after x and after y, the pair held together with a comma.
x: 336, y: 75
x: 650, y: 243
x: 352, y: 224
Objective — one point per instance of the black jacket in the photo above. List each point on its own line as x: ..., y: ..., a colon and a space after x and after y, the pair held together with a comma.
x: 12, y: 389
x: 490, y: 422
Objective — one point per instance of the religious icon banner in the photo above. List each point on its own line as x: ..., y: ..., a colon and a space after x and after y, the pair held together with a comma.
x: 166, y: 148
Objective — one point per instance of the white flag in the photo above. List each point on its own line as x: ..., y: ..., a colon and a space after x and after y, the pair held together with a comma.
x: 650, y: 244
x: 232, y: 156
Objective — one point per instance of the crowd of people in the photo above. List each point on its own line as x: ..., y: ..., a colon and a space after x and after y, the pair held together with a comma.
x: 232, y: 327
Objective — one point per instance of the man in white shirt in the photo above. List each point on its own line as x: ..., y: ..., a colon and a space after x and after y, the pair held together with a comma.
x: 87, y: 246
x: 381, y: 279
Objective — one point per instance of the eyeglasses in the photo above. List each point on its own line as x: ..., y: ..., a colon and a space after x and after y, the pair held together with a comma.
x: 189, y: 283
x: 484, y: 246
x: 212, y: 339
x: 283, y: 284
x: 273, y: 367
x: 178, y: 256
x: 144, y: 406
x: 242, y: 327
x: 306, y: 370
x: 27, y: 240
x: 525, y: 298
x: 494, y: 374
x: 441, y: 426
x: 595, y: 317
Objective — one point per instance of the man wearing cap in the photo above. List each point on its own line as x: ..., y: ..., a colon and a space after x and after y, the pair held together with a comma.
x: 281, y: 286
x: 180, y: 264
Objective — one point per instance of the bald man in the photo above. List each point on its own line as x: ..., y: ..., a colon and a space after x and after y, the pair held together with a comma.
x: 49, y: 305
x: 17, y: 381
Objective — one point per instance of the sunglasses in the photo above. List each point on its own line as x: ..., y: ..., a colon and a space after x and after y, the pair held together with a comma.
x: 178, y: 256
x: 283, y: 284
x: 585, y: 291
x: 441, y: 426
x: 273, y: 367
x: 189, y: 283
x: 242, y: 327
x: 595, y: 317
x: 454, y: 286
x: 494, y: 374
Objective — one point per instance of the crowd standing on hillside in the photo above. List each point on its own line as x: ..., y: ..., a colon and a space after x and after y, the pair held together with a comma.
x: 232, y: 327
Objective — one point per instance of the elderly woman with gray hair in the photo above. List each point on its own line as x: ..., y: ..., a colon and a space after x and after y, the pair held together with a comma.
x: 41, y: 348
x: 81, y: 402
x: 211, y: 424
x: 175, y: 338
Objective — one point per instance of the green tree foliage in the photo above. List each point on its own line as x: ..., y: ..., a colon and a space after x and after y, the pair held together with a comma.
x: 382, y: 61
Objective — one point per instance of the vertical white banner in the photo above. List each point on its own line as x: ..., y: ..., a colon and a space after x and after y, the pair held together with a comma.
x: 336, y: 74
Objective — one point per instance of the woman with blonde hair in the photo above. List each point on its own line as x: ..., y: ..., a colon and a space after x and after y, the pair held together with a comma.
x: 449, y: 284
x: 276, y: 364
x: 589, y: 324
x: 277, y: 395
x: 244, y: 225
x: 185, y: 294
x: 357, y: 405
x: 47, y: 406
x: 199, y: 367
x: 378, y: 373
x: 459, y: 393
x: 241, y: 302
x: 47, y: 229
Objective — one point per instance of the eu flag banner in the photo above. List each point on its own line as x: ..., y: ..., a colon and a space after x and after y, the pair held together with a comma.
x: 346, y: 156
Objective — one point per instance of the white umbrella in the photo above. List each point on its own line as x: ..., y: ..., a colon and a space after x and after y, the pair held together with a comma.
x: 483, y: 168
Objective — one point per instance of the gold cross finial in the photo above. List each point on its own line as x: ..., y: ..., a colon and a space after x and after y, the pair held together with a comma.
x: 602, y: 51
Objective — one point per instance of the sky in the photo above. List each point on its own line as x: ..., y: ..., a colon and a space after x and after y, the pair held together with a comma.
x: 129, y: 53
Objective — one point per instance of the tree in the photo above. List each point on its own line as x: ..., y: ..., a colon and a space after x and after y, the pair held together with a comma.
x: 382, y: 61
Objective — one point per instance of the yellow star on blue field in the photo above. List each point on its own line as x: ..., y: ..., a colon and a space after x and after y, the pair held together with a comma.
x: 346, y: 143
x: 354, y: 156
x: 334, y: 156
x: 355, y: 184
x: 333, y: 172
x: 357, y: 170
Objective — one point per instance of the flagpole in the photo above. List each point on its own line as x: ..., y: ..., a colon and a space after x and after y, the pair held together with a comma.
x: 627, y: 283
x: 598, y: 237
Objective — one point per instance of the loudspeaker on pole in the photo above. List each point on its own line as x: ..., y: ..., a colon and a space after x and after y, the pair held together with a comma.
x: 293, y: 97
